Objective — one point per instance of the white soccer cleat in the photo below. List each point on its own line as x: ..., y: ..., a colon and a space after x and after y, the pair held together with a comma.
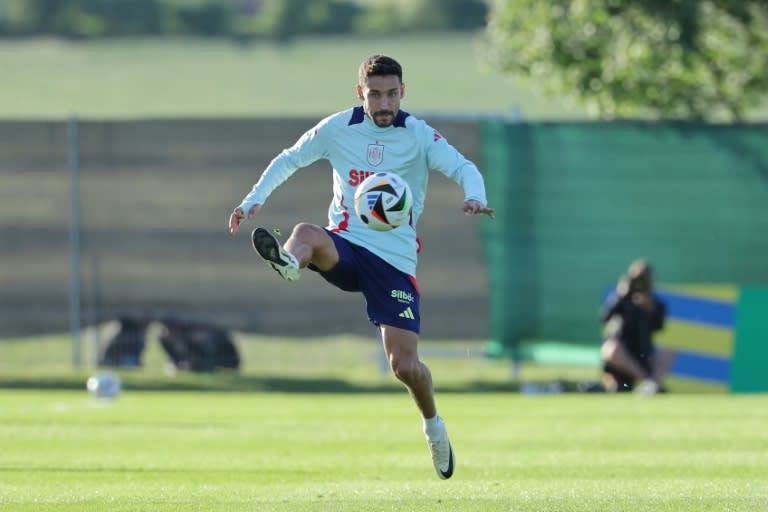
x: 442, y: 455
x: 267, y: 246
x: 647, y: 387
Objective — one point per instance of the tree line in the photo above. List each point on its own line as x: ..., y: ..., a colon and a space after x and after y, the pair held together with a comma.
x: 240, y: 19
x: 668, y: 59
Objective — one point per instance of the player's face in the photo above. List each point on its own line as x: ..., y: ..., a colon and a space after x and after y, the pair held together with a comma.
x: 381, y: 97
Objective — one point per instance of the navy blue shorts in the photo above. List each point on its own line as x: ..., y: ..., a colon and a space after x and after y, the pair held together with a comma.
x: 391, y: 296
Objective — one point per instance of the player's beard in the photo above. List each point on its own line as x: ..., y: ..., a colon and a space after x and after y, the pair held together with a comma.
x: 383, y: 118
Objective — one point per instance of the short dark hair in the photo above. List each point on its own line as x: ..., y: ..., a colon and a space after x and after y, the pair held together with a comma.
x: 379, y: 65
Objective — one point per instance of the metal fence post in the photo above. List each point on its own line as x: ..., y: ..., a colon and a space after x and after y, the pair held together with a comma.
x: 73, y: 160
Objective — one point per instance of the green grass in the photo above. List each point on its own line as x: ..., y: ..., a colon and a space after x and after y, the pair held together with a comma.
x: 198, y: 78
x: 337, y: 363
x: 316, y: 425
x: 149, y: 78
x: 157, y: 451
x: 331, y: 364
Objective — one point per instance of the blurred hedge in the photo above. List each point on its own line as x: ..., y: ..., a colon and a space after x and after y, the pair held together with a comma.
x: 240, y: 19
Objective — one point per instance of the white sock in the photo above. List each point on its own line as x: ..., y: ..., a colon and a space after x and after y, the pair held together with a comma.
x: 433, y: 427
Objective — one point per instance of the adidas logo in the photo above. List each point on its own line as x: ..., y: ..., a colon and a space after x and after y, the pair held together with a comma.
x: 407, y: 314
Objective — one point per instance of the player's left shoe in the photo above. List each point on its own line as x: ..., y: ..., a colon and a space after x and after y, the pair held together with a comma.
x: 442, y: 455
x: 278, y: 258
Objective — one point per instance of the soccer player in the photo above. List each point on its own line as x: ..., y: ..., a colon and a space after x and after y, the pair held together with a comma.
x: 376, y: 136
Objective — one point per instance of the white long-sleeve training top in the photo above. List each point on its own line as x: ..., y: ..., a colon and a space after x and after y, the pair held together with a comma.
x: 357, y: 148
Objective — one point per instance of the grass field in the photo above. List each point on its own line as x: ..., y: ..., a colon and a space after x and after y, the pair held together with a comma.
x: 116, y: 79
x: 333, y: 364
x: 203, y: 451
x: 198, y: 78
x: 316, y: 425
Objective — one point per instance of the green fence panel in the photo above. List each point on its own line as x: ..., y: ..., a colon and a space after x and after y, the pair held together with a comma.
x: 577, y: 202
x: 751, y: 348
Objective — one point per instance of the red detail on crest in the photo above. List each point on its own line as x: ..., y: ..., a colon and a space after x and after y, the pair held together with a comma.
x: 436, y: 136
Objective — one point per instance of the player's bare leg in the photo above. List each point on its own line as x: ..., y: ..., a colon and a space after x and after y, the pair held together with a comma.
x: 307, y: 244
x: 310, y: 243
x: 401, y: 347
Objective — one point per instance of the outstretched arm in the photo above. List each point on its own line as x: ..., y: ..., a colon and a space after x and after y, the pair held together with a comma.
x: 308, y: 149
x: 238, y: 215
x: 444, y: 158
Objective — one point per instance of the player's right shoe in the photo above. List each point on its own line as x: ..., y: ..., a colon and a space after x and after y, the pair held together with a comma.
x: 267, y: 246
x: 442, y: 455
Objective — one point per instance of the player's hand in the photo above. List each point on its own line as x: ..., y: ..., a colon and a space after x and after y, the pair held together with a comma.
x: 238, y: 215
x: 473, y: 207
x: 644, y: 300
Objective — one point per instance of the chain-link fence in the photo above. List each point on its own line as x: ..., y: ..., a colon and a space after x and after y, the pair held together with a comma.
x: 154, y: 200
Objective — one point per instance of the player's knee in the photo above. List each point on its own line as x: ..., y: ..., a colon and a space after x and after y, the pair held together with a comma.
x: 304, y: 231
x: 406, y: 369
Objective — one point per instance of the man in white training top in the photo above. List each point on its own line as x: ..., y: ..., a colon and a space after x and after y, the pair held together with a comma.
x: 358, y: 142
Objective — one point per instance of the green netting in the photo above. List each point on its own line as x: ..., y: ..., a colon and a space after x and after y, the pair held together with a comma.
x: 576, y: 202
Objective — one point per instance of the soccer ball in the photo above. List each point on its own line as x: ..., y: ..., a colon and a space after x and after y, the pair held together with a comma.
x: 105, y: 385
x: 383, y: 201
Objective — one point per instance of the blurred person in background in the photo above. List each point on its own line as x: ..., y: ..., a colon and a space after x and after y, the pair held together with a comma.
x: 631, y: 315
x: 125, y: 346
x: 375, y: 136
x: 197, y: 346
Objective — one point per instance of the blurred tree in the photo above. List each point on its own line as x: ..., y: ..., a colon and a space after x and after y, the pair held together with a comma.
x: 331, y: 17
x: 672, y: 59
x: 206, y: 19
x: 288, y: 19
x: 438, y: 15
x: 245, y: 20
x: 92, y: 18
x: 123, y: 17
x: 379, y: 18
x: 50, y: 16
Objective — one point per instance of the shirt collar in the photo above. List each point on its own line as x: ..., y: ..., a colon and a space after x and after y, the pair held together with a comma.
x: 358, y: 116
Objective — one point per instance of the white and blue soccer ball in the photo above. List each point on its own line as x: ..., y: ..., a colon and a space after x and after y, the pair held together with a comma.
x: 383, y: 201
x: 104, y: 385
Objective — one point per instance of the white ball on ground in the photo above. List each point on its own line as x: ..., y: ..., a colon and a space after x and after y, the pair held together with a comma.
x: 104, y: 385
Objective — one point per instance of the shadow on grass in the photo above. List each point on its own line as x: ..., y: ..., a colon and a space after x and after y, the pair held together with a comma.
x: 240, y: 384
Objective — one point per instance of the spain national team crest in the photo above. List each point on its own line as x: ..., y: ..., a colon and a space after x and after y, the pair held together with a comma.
x: 375, y: 154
